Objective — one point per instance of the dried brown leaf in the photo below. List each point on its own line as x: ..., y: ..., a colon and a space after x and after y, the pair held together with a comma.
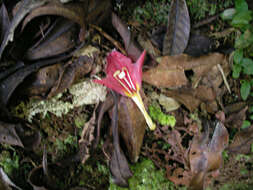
x: 118, y: 164
x: 133, y: 51
x: 57, y: 40
x: 242, y: 141
x: 178, y: 30
x: 131, y: 127
x: 9, y: 135
x: 4, y: 21
x: 206, y: 155
x: 24, y: 9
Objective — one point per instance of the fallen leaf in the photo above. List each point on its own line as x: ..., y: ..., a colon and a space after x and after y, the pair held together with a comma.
x: 57, y: 40
x: 8, y: 85
x: 206, y: 155
x: 235, y: 120
x: 4, y: 21
x: 178, y: 30
x: 167, y: 73
x: 118, y: 164
x: 132, y: 127
x: 9, y: 135
x: 24, y: 9
x: 242, y: 141
x: 133, y: 51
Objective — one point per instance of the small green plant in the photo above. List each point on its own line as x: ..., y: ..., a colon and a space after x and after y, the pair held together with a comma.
x: 9, y: 163
x: 153, y: 12
x: 164, y: 119
x: 243, y: 62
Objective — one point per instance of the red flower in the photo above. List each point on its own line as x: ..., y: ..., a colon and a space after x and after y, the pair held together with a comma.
x: 125, y: 78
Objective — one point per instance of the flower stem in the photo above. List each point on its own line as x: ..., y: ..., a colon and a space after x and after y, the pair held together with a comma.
x: 138, y: 101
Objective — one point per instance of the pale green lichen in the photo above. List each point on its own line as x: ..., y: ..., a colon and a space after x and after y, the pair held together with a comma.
x: 84, y: 93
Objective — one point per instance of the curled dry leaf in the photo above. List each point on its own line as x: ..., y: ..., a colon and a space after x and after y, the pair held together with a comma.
x: 133, y: 51
x: 178, y: 30
x: 57, y: 40
x: 9, y: 135
x: 118, y: 164
x: 75, y: 12
x: 24, y: 9
x: 4, y: 21
x: 206, y: 155
x: 242, y: 141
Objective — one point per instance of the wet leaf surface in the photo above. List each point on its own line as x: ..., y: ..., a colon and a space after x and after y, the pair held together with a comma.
x: 178, y: 30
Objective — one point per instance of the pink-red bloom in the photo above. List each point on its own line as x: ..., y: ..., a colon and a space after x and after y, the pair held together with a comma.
x: 125, y: 78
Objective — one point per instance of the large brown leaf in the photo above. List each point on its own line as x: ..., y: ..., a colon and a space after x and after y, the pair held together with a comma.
x: 118, y: 164
x: 178, y: 31
x: 131, y: 127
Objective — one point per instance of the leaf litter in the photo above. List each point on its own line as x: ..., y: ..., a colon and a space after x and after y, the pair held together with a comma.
x: 187, y: 86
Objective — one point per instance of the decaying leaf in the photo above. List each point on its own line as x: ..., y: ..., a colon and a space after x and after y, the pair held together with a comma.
x: 130, y: 45
x: 242, y: 141
x: 118, y: 164
x: 9, y: 84
x: 132, y: 127
x: 178, y: 31
x: 235, y: 120
x: 87, y: 138
x: 57, y: 40
x: 24, y: 9
x: 206, y: 155
x: 4, y: 21
x: 9, y: 135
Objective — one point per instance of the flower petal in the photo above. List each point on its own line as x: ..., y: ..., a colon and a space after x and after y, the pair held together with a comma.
x: 111, y: 83
x: 115, y: 61
x: 137, y: 73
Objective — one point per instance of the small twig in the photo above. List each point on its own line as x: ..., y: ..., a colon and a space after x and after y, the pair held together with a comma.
x: 206, y: 21
x: 224, y: 78
x: 108, y: 37
x: 223, y: 33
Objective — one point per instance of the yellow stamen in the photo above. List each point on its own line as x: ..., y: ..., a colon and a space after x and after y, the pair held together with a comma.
x: 138, y: 101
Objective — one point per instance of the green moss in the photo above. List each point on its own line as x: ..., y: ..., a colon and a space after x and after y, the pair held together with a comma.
x: 146, y: 177
x: 9, y: 163
x: 157, y: 115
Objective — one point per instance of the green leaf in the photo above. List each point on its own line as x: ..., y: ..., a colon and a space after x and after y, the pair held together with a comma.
x: 228, y: 14
x: 251, y: 109
x: 245, y: 89
x: 241, y: 18
x: 245, y: 124
x: 238, y: 55
x: 244, y: 40
x: 247, y: 66
x: 236, y: 71
x: 241, y: 5
x: 251, y: 117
